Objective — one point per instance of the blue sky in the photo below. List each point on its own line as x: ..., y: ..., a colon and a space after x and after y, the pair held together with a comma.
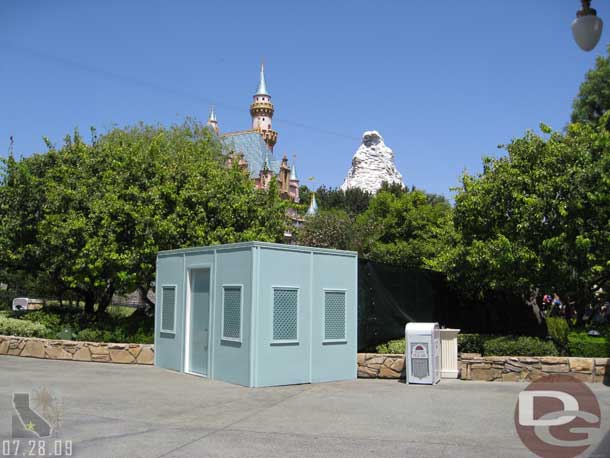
x: 444, y: 82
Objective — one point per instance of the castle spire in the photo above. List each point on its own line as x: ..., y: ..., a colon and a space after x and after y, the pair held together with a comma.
x: 262, y: 86
x: 313, y: 206
x: 212, y: 121
x: 293, y: 173
x: 262, y: 110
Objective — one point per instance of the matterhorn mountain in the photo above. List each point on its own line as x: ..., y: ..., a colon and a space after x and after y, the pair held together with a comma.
x: 372, y: 164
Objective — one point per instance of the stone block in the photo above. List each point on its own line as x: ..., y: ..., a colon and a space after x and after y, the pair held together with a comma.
x: 533, y: 375
x: 480, y: 366
x: 135, y: 350
x: 511, y: 377
x: 57, y: 352
x: 146, y: 356
x: 386, y: 372
x: 99, y: 357
x: 15, y: 351
x: 377, y: 360
x: 115, y: 346
x: 82, y: 354
x: 602, y: 361
x: 513, y: 366
x: 485, y: 374
x: 600, y: 370
x: 398, y: 365
x: 581, y: 364
x: 4, y: 344
x: 466, y: 356
x: 553, y: 360
x: 497, y: 359
x: 530, y: 361
x: 98, y: 350
x: 555, y: 368
x: 121, y: 356
x: 364, y: 372
x: 33, y: 349
x: 361, y: 358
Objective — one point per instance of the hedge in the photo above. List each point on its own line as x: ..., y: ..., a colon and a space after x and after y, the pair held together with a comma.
x: 519, y: 346
x: 581, y: 344
x: 471, y: 343
x: 16, y: 327
x: 393, y: 346
x: 488, y: 346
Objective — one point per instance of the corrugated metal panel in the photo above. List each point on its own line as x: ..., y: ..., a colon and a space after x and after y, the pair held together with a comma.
x: 231, y: 325
x: 285, y: 314
x: 334, y: 315
x: 168, y: 308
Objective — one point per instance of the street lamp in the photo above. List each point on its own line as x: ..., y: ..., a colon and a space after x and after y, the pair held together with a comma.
x: 587, y: 27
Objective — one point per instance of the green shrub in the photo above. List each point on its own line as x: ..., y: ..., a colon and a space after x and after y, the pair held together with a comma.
x: 558, y: 330
x: 581, y: 344
x: 393, y: 346
x: 98, y: 335
x: 470, y: 343
x: 518, y: 346
x: 50, y: 321
x: 23, y: 328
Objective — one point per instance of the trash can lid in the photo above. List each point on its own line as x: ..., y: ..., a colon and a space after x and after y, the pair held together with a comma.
x: 420, y: 327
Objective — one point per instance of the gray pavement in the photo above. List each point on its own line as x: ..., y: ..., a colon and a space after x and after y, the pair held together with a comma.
x: 137, y: 411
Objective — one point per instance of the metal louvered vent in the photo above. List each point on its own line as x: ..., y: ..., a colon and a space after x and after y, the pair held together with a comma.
x: 168, y: 308
x: 285, y: 314
x: 231, y: 313
x: 334, y: 315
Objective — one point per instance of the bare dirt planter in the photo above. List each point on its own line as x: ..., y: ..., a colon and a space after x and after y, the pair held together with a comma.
x: 473, y: 366
x: 33, y: 347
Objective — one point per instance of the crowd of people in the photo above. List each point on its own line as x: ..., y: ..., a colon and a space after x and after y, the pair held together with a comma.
x: 552, y: 305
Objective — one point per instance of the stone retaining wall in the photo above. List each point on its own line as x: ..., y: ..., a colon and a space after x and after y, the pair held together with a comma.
x: 34, y: 347
x: 506, y: 368
x: 473, y: 366
x: 376, y: 365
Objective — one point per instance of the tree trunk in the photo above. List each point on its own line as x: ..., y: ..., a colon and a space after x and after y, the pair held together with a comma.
x: 532, y: 302
x: 89, y: 304
x: 149, y: 306
x: 105, y: 301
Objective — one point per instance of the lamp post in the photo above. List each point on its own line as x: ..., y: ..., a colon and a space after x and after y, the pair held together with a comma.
x: 587, y: 27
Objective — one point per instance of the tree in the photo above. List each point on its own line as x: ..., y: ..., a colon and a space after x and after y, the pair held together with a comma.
x: 90, y: 218
x: 353, y: 201
x: 330, y: 229
x: 593, y: 98
x: 406, y: 227
x: 537, y: 220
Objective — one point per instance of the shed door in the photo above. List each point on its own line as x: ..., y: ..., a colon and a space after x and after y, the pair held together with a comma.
x: 199, y: 321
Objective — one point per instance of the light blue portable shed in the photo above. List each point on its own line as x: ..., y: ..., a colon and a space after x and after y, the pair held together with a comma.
x: 257, y: 314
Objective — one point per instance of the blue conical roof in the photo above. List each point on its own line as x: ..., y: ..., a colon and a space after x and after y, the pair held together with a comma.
x: 313, y: 206
x: 262, y: 87
x: 293, y: 173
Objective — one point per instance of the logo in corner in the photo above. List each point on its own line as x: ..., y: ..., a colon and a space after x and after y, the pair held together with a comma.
x: 557, y: 416
x: 39, y: 417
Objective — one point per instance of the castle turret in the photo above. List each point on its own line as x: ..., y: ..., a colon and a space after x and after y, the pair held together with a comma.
x: 294, y: 184
x: 212, y: 122
x: 313, y: 206
x: 262, y: 110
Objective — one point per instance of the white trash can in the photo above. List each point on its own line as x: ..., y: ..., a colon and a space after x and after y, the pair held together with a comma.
x: 423, y: 353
